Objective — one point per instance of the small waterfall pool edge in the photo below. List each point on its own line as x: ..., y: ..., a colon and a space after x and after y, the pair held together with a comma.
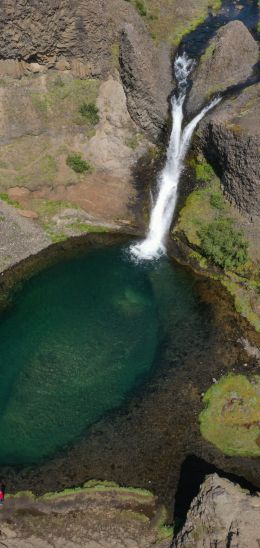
x: 177, y: 332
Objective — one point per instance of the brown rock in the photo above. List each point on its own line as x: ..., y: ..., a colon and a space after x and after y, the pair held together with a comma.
x: 18, y: 193
x: 28, y: 213
x: 12, y: 68
x: 62, y: 64
x: 228, y: 60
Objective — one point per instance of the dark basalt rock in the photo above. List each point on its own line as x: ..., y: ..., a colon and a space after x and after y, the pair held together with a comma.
x: 147, y: 78
x: 230, y: 139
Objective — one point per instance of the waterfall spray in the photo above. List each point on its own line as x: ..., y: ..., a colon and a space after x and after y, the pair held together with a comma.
x: 162, y: 213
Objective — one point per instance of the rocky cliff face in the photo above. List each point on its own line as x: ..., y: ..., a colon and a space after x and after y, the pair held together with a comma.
x: 228, y: 60
x: 222, y: 515
x: 146, y: 96
x: 230, y: 138
x: 84, y: 36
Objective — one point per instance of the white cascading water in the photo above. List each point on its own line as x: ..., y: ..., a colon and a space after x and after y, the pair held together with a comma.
x: 162, y: 213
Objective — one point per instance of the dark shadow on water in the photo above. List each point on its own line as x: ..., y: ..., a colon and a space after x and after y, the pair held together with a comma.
x: 193, y: 472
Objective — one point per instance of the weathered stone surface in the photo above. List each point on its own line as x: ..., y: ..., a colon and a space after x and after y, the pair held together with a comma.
x: 222, y: 515
x: 230, y: 139
x: 147, y: 77
x: 110, y: 148
x: 228, y: 60
x: 48, y: 32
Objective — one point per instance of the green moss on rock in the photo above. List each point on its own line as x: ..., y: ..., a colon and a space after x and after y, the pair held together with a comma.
x: 231, y: 418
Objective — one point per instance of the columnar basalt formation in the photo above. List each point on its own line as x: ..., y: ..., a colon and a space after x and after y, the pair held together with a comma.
x: 230, y: 138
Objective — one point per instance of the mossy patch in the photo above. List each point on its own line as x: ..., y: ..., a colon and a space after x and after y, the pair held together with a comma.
x: 6, y: 198
x: 203, y: 170
x: 207, y: 224
x: 133, y: 141
x: 208, y: 53
x: 47, y: 208
x: 198, y: 211
x: 244, y: 294
x: 115, y: 53
x: 231, y: 419
x: 81, y: 227
x: 93, y: 486
x: 207, y: 219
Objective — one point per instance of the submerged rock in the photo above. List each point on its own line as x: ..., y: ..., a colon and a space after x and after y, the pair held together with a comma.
x: 228, y: 60
x: 221, y: 515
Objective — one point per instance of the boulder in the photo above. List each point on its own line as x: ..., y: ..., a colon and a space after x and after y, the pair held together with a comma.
x: 228, y: 60
x: 222, y: 515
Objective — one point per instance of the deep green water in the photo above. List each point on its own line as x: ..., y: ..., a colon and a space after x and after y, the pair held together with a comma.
x: 79, y: 337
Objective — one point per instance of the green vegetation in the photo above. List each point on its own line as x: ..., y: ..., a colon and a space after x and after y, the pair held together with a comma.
x: 183, y: 29
x: 65, y: 98
x: 207, y: 53
x: 48, y: 208
x: 205, y: 220
x: 40, y: 102
x: 77, y: 163
x: 48, y: 166
x: 164, y: 531
x: 198, y: 211
x: 141, y: 7
x: 231, y: 418
x: 217, y: 200
x: 165, y: 22
x: 8, y: 200
x: 56, y: 236
x: 224, y: 245
x: 103, y: 486
x: 203, y: 170
x: 89, y: 111
x: 210, y: 237
x: 244, y: 295
x: 80, y: 226
x: 133, y: 142
x: 115, y: 51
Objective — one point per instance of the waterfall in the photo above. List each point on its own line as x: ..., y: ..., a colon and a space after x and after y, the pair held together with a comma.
x: 162, y: 213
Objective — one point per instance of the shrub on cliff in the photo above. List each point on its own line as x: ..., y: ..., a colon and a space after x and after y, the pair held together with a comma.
x: 77, y: 163
x: 140, y: 6
x: 89, y: 111
x: 223, y: 244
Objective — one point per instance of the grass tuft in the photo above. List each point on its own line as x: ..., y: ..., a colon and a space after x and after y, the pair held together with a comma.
x: 77, y: 163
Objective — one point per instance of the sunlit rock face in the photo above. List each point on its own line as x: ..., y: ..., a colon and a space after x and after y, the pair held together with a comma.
x: 228, y: 60
x: 222, y: 514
